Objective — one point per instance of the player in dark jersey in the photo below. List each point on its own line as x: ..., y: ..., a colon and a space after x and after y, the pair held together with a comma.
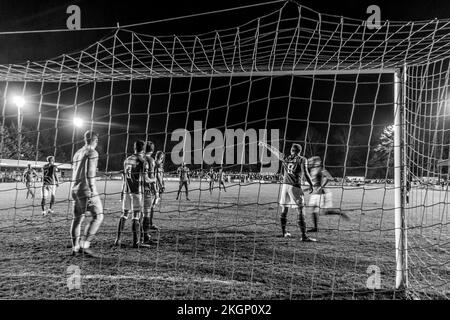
x: 294, y: 166
x: 85, y: 195
x: 50, y: 183
x: 135, y: 175
x: 211, y: 177
x: 149, y: 194
x: 321, y: 197
x: 28, y: 178
x: 221, y: 180
x: 185, y: 179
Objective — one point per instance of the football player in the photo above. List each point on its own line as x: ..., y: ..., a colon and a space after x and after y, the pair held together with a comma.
x: 135, y: 169
x: 85, y: 195
x: 149, y: 193
x: 291, y: 196
x: 321, y: 197
x: 211, y: 177
x: 185, y: 179
x: 159, y: 175
x: 221, y: 180
x: 28, y: 177
x: 50, y: 183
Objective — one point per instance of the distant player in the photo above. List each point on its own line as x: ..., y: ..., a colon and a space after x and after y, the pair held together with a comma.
x: 149, y: 193
x: 135, y: 175
x: 211, y: 178
x: 321, y: 197
x: 85, y: 195
x: 50, y: 183
x: 291, y: 196
x: 221, y: 180
x: 28, y: 177
x: 185, y: 179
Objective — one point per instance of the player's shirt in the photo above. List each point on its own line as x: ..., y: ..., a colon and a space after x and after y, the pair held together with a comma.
x: 183, y: 173
x: 293, y: 169
x: 29, y: 175
x: 211, y: 176
x: 135, y: 168
x: 221, y: 176
x: 151, y: 171
x: 50, y: 174
x: 318, y: 175
x: 84, y: 171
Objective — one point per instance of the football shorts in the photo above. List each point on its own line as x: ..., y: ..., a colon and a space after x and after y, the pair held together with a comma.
x: 83, y: 202
x: 291, y: 197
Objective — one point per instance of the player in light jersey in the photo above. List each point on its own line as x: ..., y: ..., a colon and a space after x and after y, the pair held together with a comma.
x: 149, y: 194
x: 294, y: 166
x: 135, y: 175
x: 185, y: 179
x: 321, y: 197
x: 50, y: 183
x: 159, y: 175
x: 221, y: 180
x: 28, y: 177
x: 85, y: 195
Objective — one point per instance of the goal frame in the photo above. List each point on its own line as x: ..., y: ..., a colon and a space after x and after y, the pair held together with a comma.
x: 399, y: 76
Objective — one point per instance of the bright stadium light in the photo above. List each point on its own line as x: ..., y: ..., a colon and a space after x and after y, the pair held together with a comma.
x: 78, y: 122
x: 19, y: 101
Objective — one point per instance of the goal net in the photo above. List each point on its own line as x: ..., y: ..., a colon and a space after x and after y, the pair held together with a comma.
x: 427, y: 178
x: 294, y: 75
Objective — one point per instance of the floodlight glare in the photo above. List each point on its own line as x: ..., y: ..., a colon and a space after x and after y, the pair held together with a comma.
x: 19, y: 101
x: 78, y: 122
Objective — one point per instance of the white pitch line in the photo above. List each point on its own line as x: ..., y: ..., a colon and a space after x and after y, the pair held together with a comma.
x: 121, y: 277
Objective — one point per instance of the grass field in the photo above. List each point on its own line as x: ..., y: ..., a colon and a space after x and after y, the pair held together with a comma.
x: 219, y: 246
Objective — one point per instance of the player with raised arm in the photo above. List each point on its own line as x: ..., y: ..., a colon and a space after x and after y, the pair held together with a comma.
x: 85, y: 195
x: 28, y: 177
x: 221, y: 180
x: 321, y: 197
x: 291, y: 196
x: 49, y: 185
x: 149, y: 194
x: 135, y: 169
x: 185, y: 179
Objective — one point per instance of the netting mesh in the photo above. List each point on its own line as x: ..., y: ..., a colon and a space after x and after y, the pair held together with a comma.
x: 427, y: 144
x: 293, y: 75
x: 293, y: 38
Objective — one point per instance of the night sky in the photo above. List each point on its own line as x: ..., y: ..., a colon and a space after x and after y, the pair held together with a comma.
x: 362, y: 103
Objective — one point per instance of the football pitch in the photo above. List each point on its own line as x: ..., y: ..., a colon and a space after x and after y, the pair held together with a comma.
x: 221, y: 246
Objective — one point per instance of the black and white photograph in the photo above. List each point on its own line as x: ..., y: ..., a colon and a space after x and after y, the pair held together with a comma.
x: 245, y: 151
